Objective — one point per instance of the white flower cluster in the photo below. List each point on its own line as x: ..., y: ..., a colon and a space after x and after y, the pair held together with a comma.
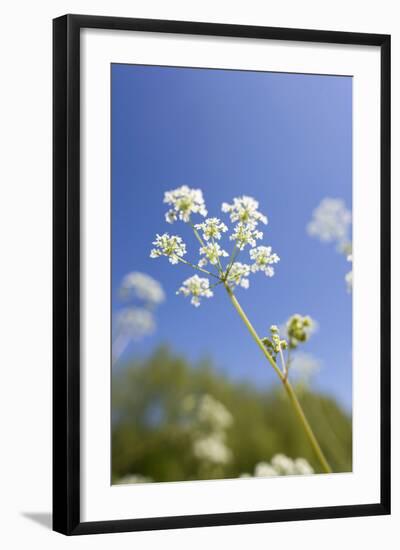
x: 196, y: 287
x: 209, y: 421
x: 244, y: 213
x: 330, y: 221
x: 212, y: 448
x: 214, y: 413
x: 212, y: 228
x: 184, y: 202
x: 137, y: 285
x: 135, y: 322
x: 263, y: 258
x: 281, y: 465
x: 244, y: 209
x: 211, y: 252
x: 171, y: 246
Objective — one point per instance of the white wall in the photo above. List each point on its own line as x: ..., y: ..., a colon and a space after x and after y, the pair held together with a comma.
x: 25, y: 289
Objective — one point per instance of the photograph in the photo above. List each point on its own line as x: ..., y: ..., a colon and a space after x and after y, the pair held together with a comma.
x: 231, y: 274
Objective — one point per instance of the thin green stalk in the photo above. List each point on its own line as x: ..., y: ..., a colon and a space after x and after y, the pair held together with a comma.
x: 197, y: 267
x: 289, y: 389
x: 197, y: 234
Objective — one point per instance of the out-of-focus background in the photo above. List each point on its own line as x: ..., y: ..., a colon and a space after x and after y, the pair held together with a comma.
x: 284, y: 139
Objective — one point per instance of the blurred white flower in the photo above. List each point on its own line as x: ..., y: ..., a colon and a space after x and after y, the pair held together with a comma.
x: 263, y: 257
x: 212, y: 253
x: 244, y: 234
x: 197, y: 287
x: 330, y: 221
x: 135, y: 322
x: 137, y: 285
x: 302, y: 467
x: 212, y: 228
x: 244, y: 209
x: 212, y: 448
x: 171, y: 246
x: 264, y: 469
x: 281, y: 465
x: 133, y: 478
x: 214, y: 413
x: 184, y: 202
x: 238, y: 275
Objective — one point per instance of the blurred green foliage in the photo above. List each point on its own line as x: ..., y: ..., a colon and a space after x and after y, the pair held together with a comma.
x: 151, y: 435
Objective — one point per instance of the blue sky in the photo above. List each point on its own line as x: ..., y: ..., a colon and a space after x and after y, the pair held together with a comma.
x: 284, y: 139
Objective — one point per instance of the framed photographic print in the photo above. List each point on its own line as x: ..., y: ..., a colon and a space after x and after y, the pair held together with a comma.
x: 221, y: 274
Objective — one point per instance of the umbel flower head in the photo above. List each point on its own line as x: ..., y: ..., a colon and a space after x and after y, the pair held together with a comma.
x: 263, y: 258
x: 330, y: 221
x: 245, y: 210
x: 212, y: 228
x: 171, y: 246
x: 197, y: 287
x: 212, y: 253
x: 184, y: 202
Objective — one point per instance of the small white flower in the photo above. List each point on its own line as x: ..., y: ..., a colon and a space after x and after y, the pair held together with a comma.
x: 184, y: 202
x: 283, y: 464
x: 303, y: 467
x: 197, y: 287
x: 135, y: 322
x: 264, y: 469
x: 171, y: 246
x: 142, y: 287
x: 244, y: 209
x: 245, y: 233
x: 330, y: 221
x: 238, y: 275
x: 212, y: 228
x: 263, y: 258
x: 211, y: 251
x: 214, y: 413
x: 212, y: 448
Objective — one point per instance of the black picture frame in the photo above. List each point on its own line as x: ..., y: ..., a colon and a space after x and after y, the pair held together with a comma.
x: 66, y: 273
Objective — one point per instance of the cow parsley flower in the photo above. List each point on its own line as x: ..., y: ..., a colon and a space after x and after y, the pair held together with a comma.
x: 263, y: 258
x: 135, y: 322
x: 212, y: 448
x: 171, y: 246
x: 330, y: 221
x: 238, y: 275
x: 212, y: 252
x: 140, y: 286
x: 184, y: 202
x: 245, y: 210
x: 212, y: 228
x: 197, y: 287
x: 245, y: 233
x: 214, y: 413
x: 264, y: 469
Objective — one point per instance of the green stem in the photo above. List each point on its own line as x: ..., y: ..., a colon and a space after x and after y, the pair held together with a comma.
x: 197, y: 267
x: 197, y: 234
x: 289, y: 389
